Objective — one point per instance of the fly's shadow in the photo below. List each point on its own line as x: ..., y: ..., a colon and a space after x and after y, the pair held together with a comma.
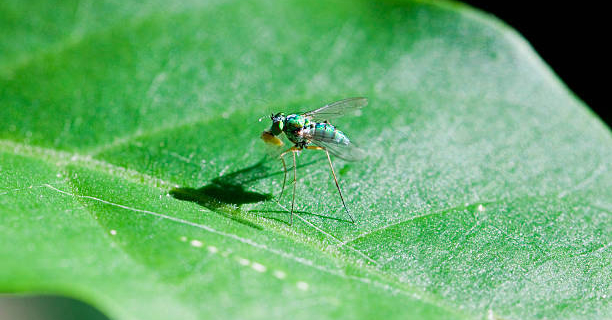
x: 225, y: 194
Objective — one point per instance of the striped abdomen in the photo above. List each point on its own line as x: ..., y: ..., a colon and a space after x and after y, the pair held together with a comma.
x: 327, y: 133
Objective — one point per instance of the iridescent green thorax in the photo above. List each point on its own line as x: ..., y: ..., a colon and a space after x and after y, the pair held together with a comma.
x: 295, y: 122
x: 294, y: 126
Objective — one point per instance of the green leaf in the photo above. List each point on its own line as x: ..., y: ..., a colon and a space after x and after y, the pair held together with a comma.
x: 132, y: 175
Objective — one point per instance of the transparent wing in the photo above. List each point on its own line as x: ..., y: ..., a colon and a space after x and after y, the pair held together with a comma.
x: 348, y: 152
x: 337, y: 109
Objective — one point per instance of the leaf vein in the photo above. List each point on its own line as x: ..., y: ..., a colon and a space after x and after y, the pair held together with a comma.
x: 306, y: 262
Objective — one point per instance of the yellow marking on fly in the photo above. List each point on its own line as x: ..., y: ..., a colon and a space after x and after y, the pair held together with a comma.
x: 268, y: 137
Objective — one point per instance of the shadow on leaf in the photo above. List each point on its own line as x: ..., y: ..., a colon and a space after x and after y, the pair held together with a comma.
x: 227, y: 193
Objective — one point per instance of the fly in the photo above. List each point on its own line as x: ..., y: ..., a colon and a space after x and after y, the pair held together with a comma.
x: 313, y: 131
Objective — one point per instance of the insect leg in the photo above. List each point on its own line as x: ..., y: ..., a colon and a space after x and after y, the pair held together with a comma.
x: 331, y: 167
x: 284, y: 178
x: 292, y: 149
x: 294, y: 183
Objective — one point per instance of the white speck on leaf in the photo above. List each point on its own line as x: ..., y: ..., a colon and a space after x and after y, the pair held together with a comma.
x: 302, y: 285
x: 258, y: 267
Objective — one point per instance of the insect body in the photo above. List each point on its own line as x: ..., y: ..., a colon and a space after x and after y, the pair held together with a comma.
x: 306, y: 132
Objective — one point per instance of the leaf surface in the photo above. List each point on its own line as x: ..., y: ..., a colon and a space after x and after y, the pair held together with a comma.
x: 132, y: 176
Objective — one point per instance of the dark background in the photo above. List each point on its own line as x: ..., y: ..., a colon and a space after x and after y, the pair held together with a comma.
x: 570, y: 37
